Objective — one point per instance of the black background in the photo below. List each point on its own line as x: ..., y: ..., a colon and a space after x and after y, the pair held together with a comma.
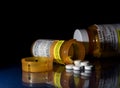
x: 21, y: 26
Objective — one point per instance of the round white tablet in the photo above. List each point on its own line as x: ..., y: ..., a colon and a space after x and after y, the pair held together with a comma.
x: 76, y: 68
x: 77, y: 62
x: 88, y: 67
x: 84, y: 63
x: 69, y: 66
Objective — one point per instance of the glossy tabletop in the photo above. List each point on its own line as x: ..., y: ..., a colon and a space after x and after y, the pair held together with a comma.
x: 105, y: 74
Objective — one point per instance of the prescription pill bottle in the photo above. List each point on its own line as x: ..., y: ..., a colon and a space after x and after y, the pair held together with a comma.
x: 65, y: 51
x: 104, y: 40
x: 62, y: 51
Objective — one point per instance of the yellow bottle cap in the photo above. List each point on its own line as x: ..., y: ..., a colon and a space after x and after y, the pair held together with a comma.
x: 37, y: 64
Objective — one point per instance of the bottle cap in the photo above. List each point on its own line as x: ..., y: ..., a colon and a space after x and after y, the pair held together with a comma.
x: 81, y: 35
x: 37, y: 64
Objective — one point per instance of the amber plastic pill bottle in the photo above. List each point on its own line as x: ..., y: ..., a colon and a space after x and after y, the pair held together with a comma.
x: 65, y: 51
x: 62, y: 51
x: 103, y: 40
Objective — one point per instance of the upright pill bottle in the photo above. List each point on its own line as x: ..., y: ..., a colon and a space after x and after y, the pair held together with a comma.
x: 62, y: 51
x: 102, y: 40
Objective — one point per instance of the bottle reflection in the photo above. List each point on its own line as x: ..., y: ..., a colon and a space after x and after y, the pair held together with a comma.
x: 36, y: 79
x: 63, y: 77
x: 105, y: 75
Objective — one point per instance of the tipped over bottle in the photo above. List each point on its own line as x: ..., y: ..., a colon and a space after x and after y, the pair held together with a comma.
x: 101, y: 40
x: 62, y: 51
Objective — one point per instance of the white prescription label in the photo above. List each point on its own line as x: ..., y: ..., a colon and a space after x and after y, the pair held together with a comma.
x: 109, y: 36
x: 42, y: 48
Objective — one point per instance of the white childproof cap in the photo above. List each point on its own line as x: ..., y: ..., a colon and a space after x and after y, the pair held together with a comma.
x: 81, y: 35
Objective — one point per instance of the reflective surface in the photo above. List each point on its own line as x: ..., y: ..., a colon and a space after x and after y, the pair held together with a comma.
x: 105, y: 74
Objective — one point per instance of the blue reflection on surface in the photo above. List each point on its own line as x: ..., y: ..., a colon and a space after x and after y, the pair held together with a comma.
x: 10, y: 77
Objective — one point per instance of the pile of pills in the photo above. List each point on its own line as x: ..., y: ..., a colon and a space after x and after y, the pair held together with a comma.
x: 80, y: 67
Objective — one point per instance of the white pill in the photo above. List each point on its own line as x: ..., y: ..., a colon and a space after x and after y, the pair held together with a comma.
x: 84, y: 63
x: 88, y: 67
x: 69, y: 70
x: 76, y: 68
x: 84, y: 77
x: 77, y: 62
x: 85, y: 74
x: 69, y: 66
x: 88, y: 71
x: 76, y: 71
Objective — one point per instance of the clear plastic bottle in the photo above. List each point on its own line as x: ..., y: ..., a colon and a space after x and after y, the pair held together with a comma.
x: 103, y: 40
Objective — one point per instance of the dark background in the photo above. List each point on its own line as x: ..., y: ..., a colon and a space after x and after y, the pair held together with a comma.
x: 21, y: 26
x: 24, y: 22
